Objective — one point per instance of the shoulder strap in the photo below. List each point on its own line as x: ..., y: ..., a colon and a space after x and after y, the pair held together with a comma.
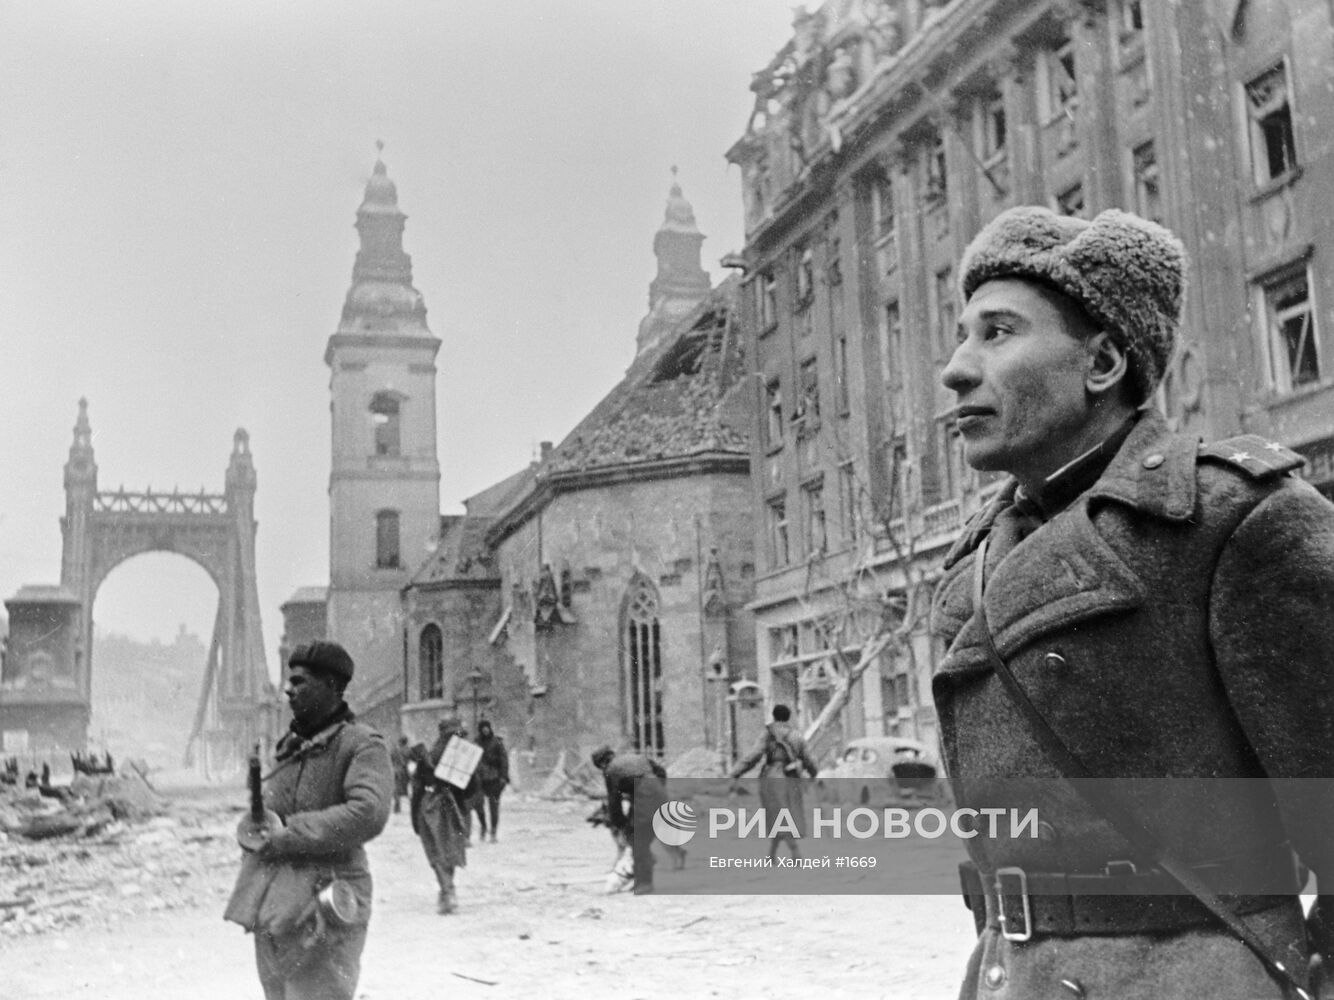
x: 1251, y: 454
x: 1097, y: 795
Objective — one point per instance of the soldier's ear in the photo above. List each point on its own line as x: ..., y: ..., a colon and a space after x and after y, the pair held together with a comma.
x: 1108, y: 364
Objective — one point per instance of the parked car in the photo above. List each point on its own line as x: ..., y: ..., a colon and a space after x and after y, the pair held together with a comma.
x: 882, y: 771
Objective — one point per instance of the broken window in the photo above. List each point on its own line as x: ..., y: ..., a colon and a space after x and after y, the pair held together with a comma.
x: 805, y: 275
x: 808, y: 406
x: 1294, y: 358
x: 766, y: 300
x: 773, y: 405
x: 1269, y: 106
x: 1148, y: 186
x: 779, y: 550
x: 817, y: 535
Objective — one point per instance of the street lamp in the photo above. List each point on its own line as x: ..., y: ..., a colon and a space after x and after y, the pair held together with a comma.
x: 475, y: 678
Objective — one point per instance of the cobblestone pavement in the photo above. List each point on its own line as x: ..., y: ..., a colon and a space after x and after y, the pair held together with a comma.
x: 140, y: 919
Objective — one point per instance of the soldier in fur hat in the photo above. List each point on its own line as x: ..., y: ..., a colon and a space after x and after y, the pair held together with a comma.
x: 1138, y: 608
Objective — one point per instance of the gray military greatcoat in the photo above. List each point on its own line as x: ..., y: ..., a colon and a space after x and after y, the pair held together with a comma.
x: 1176, y: 621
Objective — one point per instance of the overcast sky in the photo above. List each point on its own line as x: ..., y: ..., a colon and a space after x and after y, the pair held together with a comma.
x: 180, y: 184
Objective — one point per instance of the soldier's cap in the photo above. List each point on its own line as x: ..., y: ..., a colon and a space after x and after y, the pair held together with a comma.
x: 325, y: 656
x: 1128, y: 274
x: 602, y: 755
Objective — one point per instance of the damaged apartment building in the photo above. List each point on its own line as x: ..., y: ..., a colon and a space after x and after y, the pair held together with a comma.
x: 884, y: 135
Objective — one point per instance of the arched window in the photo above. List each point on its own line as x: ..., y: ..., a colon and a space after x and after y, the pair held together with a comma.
x: 643, y: 668
x: 384, y: 418
x: 386, y: 539
x: 432, y: 662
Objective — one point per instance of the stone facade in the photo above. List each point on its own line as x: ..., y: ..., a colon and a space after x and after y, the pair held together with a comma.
x: 623, y: 554
x: 885, y: 134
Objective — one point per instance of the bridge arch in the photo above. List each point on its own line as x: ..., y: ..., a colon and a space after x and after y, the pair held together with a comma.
x: 102, y: 529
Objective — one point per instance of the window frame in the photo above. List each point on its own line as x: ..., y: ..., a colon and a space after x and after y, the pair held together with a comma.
x: 1276, y: 347
x: 780, y: 540
x: 1142, y: 175
x: 1260, y: 158
x: 386, y: 412
x: 386, y: 556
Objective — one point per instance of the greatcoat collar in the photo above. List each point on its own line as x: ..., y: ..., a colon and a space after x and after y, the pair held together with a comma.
x: 1153, y: 472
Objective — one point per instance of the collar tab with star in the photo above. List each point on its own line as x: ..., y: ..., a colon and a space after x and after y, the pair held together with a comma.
x: 1258, y: 457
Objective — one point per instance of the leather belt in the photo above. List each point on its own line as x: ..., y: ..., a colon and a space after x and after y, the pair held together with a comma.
x: 1122, y: 900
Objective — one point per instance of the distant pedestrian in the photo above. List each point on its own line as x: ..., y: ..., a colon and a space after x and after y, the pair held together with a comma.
x: 783, y: 752
x: 642, y: 782
x: 398, y: 756
x: 438, y: 810
x: 493, y: 774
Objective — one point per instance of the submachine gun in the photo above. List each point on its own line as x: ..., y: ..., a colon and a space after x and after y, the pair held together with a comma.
x: 253, y: 829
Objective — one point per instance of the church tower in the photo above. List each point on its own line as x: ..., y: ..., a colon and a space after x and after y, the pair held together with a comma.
x: 384, y: 482
x: 681, y: 283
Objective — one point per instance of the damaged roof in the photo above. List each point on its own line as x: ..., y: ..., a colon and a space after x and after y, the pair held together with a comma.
x: 673, y: 401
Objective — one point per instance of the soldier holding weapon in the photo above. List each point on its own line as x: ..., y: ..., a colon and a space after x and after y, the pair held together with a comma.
x: 304, y: 888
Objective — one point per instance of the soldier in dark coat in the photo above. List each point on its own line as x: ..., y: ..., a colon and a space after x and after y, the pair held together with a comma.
x: 783, y: 752
x: 330, y: 789
x: 633, y: 778
x: 493, y: 774
x: 1166, y: 607
x: 439, y: 811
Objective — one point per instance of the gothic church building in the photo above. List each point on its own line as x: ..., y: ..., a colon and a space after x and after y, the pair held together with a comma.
x: 597, y: 595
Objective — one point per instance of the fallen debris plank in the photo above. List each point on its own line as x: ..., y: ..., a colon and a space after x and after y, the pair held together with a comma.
x: 692, y: 923
x: 14, y: 904
x: 474, y: 979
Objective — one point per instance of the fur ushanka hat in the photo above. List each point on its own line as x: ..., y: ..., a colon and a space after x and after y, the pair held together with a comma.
x: 1129, y: 274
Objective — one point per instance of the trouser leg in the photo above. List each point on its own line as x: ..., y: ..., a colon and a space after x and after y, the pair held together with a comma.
x: 328, y: 970
x: 493, y: 805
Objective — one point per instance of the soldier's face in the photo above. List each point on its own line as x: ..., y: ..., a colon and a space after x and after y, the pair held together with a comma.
x: 1019, y: 374
x: 311, y: 695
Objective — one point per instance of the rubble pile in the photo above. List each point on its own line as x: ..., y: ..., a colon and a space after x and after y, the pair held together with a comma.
x: 110, y: 847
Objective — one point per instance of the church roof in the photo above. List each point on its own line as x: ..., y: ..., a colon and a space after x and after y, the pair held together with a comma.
x: 308, y: 595
x: 461, y: 552
x: 671, y: 402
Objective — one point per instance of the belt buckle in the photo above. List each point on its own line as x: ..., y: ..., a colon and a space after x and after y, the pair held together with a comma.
x: 1025, y: 914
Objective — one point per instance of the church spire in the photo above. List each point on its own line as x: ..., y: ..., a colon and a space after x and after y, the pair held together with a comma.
x: 381, y: 291
x: 681, y: 282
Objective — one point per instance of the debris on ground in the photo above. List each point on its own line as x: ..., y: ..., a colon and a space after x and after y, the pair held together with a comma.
x: 107, y: 847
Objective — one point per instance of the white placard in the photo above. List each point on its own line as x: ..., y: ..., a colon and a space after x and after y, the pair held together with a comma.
x: 15, y: 741
x: 458, y: 761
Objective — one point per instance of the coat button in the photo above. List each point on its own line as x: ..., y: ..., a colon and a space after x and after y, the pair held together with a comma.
x: 1055, y: 662
x: 1153, y: 461
x: 995, y: 977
